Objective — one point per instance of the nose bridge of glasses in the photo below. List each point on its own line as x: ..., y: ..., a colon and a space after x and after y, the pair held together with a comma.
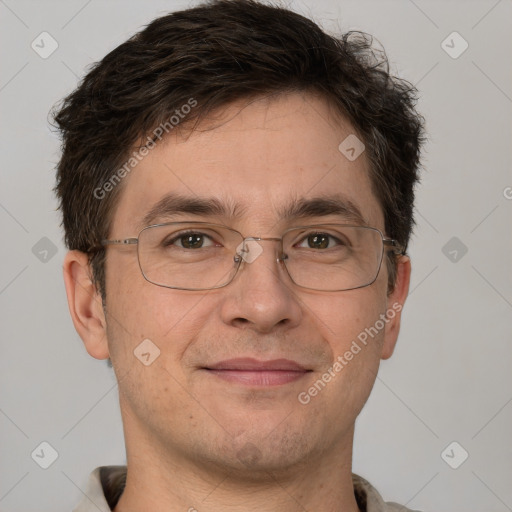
x: 258, y: 239
x: 249, y: 249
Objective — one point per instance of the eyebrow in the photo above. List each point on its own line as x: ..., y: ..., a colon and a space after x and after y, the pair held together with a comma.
x: 174, y: 204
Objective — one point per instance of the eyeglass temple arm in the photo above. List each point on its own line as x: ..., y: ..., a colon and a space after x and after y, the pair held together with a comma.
x: 125, y: 241
x: 394, y: 245
x: 103, y: 243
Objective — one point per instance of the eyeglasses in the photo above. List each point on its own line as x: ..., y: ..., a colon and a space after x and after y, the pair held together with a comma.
x: 204, y: 256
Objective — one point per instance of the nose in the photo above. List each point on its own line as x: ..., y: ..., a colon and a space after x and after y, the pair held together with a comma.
x: 262, y: 296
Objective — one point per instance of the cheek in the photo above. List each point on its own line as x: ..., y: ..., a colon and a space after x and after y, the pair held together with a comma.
x: 351, y: 327
x: 347, y: 316
x: 149, y: 328
x: 138, y: 310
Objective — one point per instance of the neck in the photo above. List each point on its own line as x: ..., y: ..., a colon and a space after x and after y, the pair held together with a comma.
x: 163, y: 479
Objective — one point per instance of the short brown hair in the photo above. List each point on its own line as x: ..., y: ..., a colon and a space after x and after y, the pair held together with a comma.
x: 216, y: 53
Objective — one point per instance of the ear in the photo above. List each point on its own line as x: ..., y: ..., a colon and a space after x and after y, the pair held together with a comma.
x: 85, y: 304
x: 395, y: 303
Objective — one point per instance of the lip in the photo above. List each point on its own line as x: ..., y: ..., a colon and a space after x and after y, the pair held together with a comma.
x: 253, y: 372
x: 250, y: 364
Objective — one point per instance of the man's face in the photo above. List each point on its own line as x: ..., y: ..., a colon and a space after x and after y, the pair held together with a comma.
x: 262, y: 158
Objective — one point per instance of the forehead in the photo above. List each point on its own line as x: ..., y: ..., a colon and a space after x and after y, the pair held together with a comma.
x: 256, y: 165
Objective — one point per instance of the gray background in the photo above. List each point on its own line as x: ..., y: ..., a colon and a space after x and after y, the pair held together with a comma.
x: 450, y: 377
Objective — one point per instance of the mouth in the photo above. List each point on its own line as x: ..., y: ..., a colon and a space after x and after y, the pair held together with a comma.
x: 253, y: 372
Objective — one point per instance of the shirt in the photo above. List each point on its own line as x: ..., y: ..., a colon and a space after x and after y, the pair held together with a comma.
x: 106, y: 484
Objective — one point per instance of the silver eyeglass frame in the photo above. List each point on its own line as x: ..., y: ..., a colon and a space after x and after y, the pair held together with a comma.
x: 392, y: 245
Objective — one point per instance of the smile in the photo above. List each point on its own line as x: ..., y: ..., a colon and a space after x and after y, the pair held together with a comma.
x: 252, y: 372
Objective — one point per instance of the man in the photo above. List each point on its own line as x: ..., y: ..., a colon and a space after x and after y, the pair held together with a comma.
x: 237, y: 193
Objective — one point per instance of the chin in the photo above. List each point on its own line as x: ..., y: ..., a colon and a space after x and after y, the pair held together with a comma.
x: 257, y: 455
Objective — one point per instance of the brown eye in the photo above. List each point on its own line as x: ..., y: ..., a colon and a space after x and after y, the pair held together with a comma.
x: 319, y: 241
x: 190, y: 240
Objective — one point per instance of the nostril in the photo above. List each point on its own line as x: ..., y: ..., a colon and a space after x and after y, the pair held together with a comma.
x: 241, y: 321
